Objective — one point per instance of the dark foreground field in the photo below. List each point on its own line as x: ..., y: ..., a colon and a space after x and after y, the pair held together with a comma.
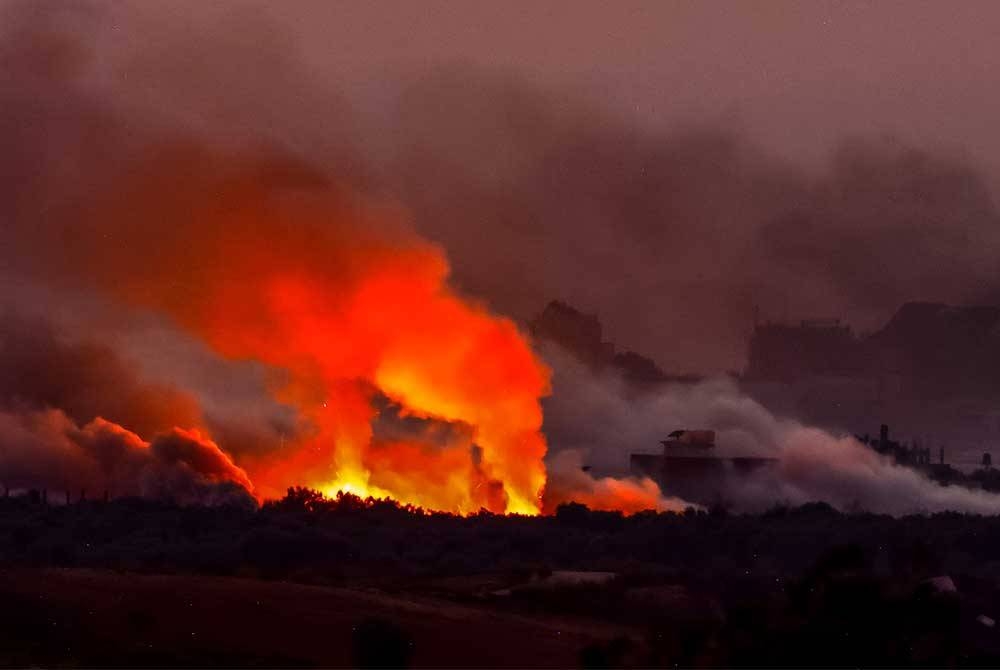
x: 85, y: 617
x: 308, y: 582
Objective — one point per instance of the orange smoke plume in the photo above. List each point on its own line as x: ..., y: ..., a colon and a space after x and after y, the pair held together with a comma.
x: 267, y: 261
x: 569, y: 482
x: 46, y: 448
x: 348, y: 304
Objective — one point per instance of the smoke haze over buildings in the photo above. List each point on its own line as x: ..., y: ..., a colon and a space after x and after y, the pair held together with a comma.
x: 601, y: 419
x: 544, y: 173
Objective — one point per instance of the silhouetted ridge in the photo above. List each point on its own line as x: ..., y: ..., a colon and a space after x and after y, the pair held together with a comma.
x: 581, y: 334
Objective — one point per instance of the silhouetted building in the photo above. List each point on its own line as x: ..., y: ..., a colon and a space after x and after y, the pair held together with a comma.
x: 926, y: 344
x: 903, y: 454
x: 941, y: 348
x: 931, y: 367
x: 919, y: 458
x: 699, y: 439
x: 690, y: 469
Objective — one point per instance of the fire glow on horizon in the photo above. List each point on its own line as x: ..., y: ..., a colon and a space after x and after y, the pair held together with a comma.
x: 298, y: 282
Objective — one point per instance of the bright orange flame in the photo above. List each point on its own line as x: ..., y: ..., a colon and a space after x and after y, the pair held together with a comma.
x: 348, y: 305
x: 299, y: 283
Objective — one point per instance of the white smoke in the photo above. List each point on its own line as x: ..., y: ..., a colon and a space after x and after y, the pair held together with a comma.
x: 599, y: 416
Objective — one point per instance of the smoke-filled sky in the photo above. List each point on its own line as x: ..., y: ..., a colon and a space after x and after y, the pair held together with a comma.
x: 250, y: 210
x: 798, y: 76
x: 667, y: 165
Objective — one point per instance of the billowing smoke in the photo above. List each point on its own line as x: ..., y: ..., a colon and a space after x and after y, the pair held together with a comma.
x: 71, y: 413
x: 262, y: 256
x: 676, y: 237
x: 684, y: 229
x: 83, y: 379
x: 603, y: 420
x: 46, y: 449
x: 203, y: 174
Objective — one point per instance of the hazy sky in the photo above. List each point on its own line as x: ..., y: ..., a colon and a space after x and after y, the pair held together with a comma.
x: 797, y: 75
x: 666, y: 164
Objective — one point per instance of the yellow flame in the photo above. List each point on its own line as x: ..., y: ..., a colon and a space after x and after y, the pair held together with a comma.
x: 354, y: 483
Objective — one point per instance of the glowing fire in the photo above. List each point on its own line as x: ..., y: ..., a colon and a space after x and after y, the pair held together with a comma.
x: 348, y: 309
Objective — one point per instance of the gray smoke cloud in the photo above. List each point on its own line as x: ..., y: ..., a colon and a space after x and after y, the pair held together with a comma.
x: 668, y: 232
x: 601, y: 420
x: 676, y: 237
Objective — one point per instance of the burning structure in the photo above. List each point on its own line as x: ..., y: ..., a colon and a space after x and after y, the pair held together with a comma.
x: 690, y: 468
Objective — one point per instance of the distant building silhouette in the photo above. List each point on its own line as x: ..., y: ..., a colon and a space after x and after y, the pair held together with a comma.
x: 782, y: 352
x: 912, y: 455
x: 931, y: 367
x: 582, y: 335
x: 690, y: 468
x: 929, y: 345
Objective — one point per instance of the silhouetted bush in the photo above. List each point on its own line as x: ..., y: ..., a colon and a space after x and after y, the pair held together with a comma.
x: 381, y: 644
